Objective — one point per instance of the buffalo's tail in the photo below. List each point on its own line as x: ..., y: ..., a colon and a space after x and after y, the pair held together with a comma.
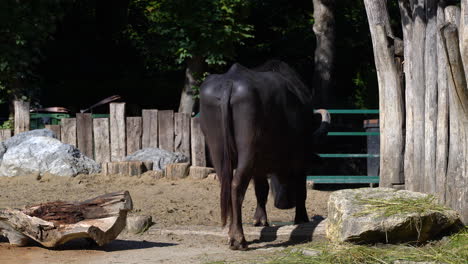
x: 229, y: 150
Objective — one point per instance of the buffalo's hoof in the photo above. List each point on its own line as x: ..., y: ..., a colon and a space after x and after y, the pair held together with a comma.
x: 236, y: 245
x: 261, y: 223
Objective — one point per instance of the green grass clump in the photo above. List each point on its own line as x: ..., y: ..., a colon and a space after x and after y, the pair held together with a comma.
x: 451, y: 250
x: 395, y: 206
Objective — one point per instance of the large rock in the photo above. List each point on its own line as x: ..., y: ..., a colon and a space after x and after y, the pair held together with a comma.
x: 159, y: 157
x: 371, y: 215
x: 21, y: 137
x: 39, y: 155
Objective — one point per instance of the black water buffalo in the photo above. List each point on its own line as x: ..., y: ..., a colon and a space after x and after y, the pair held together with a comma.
x: 259, y: 122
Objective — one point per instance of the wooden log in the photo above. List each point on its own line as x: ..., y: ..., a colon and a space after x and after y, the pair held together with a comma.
x: 150, y: 129
x: 457, y: 173
x: 197, y: 144
x: 84, y: 133
x: 117, y: 131
x: 101, y: 140
x: 104, y: 169
x: 166, y: 130
x: 22, y: 117
x: 442, y: 113
x: 5, y: 134
x: 176, y: 171
x: 182, y: 134
x: 134, y: 131
x: 56, y: 129
x: 54, y: 223
x: 199, y: 173
x: 68, y: 131
x: 430, y: 101
x: 390, y: 95
x: 113, y: 168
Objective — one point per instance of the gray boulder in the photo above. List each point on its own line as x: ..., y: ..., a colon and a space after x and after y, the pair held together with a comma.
x: 371, y: 215
x: 39, y: 154
x: 18, y: 139
x: 159, y: 157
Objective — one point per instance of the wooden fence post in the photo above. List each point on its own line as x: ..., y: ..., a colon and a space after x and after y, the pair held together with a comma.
x: 150, y: 129
x: 5, y: 134
x: 21, y: 116
x: 68, y: 131
x: 101, y: 140
x: 117, y: 131
x: 56, y: 129
x: 198, y: 144
x: 166, y: 130
x: 182, y: 134
x: 84, y: 133
x: 134, y: 131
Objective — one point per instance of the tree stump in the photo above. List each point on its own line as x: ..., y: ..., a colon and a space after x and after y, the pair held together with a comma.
x: 54, y: 223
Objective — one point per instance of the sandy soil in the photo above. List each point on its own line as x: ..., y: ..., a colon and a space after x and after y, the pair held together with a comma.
x: 171, y: 203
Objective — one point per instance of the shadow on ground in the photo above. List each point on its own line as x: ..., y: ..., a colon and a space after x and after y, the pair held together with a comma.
x: 115, y: 245
x: 301, y: 234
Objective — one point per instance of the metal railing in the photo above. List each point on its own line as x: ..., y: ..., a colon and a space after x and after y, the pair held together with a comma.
x: 324, y: 179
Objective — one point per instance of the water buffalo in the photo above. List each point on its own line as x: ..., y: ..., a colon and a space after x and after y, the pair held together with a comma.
x: 259, y: 122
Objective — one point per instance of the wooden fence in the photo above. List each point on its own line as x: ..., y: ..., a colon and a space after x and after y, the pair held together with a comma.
x: 111, y: 139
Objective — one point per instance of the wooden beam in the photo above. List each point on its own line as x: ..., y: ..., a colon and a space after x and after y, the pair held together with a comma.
x: 22, y: 117
x: 84, y: 134
x: 166, y: 130
x: 117, y: 131
x: 101, y: 140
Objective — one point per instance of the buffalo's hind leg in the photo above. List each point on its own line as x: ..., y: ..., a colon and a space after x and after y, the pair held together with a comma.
x: 301, y: 196
x: 261, y: 192
x: 239, y: 187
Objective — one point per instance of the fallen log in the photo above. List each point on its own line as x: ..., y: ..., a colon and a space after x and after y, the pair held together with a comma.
x: 51, y: 224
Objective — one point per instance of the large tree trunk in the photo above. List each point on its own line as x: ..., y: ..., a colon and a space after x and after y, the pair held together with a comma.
x: 51, y: 224
x: 390, y: 95
x: 193, y: 73
x: 324, y: 29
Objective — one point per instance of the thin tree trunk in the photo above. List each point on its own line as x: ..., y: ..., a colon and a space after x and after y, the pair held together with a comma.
x: 390, y: 97
x: 195, y: 66
x: 324, y: 29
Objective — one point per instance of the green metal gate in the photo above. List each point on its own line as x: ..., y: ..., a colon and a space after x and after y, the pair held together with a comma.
x: 328, y: 179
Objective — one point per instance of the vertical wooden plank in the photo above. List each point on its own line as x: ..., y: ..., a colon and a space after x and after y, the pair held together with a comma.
x: 134, y: 131
x: 68, y: 131
x: 84, y: 134
x: 56, y: 129
x: 117, y: 131
x: 5, y: 134
x: 182, y: 134
x: 198, y: 144
x: 101, y: 140
x: 21, y: 116
x: 166, y: 130
x: 150, y: 129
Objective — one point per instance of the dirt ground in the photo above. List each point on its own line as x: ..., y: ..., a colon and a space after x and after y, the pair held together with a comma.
x: 184, y: 202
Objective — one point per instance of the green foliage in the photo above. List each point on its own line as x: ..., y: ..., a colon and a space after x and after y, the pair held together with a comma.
x: 176, y: 30
x: 25, y: 26
x: 9, y: 124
